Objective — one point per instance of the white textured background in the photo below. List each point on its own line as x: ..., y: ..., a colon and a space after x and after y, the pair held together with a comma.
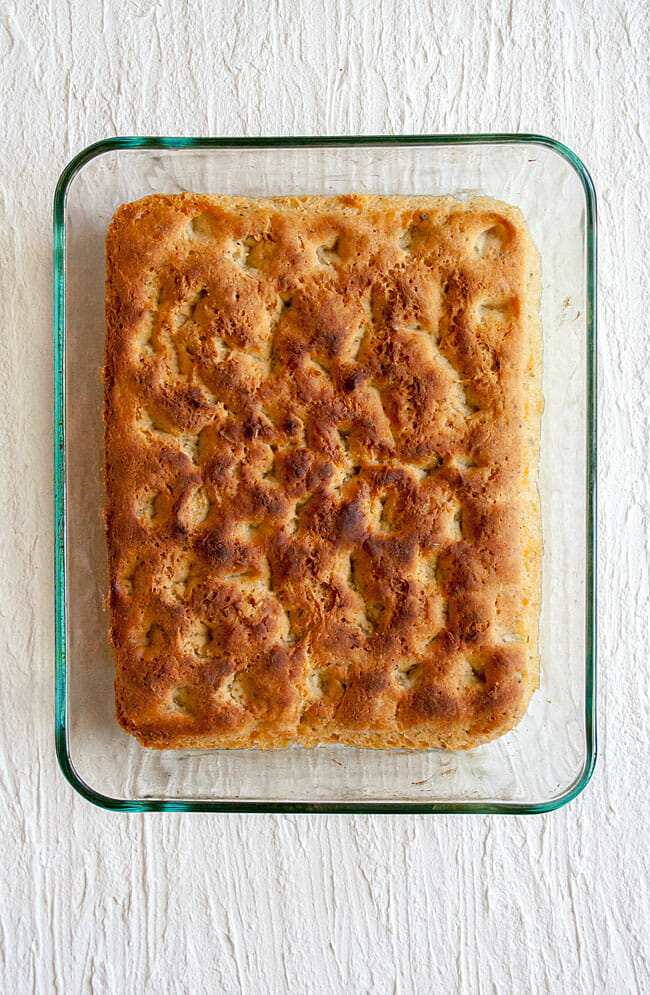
x: 103, y: 903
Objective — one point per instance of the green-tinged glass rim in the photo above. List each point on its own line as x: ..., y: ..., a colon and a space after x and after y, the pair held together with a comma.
x: 59, y: 315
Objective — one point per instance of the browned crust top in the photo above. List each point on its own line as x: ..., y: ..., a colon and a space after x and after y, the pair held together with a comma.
x: 322, y: 421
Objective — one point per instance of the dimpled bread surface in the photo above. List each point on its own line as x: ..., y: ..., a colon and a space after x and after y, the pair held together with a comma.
x: 322, y: 423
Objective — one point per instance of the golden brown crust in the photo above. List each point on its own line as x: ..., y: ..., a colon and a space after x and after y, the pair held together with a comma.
x: 322, y: 422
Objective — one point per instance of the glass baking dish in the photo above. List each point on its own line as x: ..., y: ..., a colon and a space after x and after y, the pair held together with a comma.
x: 549, y: 757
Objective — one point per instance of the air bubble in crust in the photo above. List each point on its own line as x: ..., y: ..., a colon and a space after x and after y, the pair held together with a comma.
x: 328, y: 252
x: 490, y: 241
x: 406, y: 676
x: 202, y: 227
x: 237, y: 690
x: 182, y: 700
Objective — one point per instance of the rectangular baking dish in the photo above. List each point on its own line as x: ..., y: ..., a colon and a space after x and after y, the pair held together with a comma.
x: 549, y: 757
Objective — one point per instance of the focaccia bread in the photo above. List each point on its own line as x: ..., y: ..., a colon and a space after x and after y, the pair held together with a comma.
x: 322, y: 423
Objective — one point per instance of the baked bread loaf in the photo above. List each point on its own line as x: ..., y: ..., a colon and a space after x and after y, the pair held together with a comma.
x: 322, y: 426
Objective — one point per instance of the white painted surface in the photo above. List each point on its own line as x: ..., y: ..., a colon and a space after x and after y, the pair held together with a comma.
x: 95, y: 902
